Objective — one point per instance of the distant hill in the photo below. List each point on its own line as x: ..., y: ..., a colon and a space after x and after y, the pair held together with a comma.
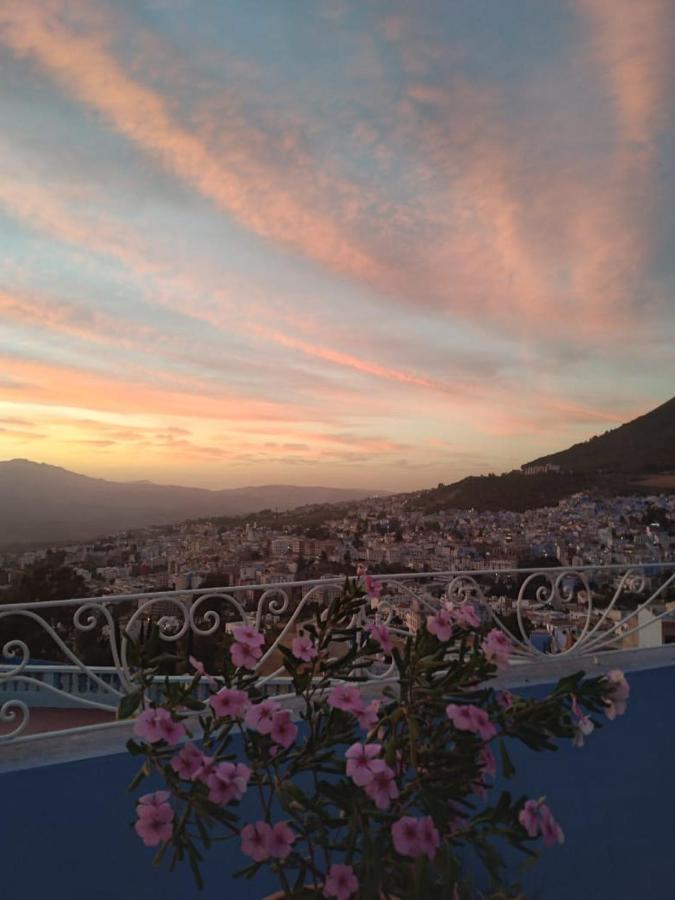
x: 517, y: 492
x: 43, y: 503
x: 638, y: 457
x: 644, y: 445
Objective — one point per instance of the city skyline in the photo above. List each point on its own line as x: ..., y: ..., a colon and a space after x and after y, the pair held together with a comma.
x: 331, y: 243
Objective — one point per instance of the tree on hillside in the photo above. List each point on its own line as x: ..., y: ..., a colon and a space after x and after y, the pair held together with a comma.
x: 45, y: 580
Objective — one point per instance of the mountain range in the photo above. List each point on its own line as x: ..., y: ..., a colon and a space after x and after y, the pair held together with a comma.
x: 43, y: 503
x: 637, y: 457
x: 643, y: 445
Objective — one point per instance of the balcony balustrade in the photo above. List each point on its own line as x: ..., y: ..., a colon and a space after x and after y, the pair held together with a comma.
x: 549, y: 614
x: 64, y: 791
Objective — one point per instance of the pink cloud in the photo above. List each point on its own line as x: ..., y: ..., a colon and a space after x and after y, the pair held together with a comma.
x: 634, y: 49
x: 510, y: 237
x: 498, y: 227
x: 490, y: 245
x: 238, y: 184
x: 52, y: 384
x: 63, y: 317
x: 347, y: 360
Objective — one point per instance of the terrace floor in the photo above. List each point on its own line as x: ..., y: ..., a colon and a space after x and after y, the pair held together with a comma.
x: 49, y: 720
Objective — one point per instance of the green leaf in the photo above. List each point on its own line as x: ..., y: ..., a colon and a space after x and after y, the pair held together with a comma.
x: 203, y: 833
x: 248, y: 871
x: 138, y: 777
x: 133, y: 656
x: 160, y: 853
x: 294, y: 791
x: 194, y: 859
x: 164, y: 657
x: 503, y: 806
x: 300, y: 880
x: 129, y: 704
x: 196, y: 705
x: 508, y: 768
x: 222, y: 815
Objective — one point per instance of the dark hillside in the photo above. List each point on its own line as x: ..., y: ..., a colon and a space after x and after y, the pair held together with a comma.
x: 644, y: 445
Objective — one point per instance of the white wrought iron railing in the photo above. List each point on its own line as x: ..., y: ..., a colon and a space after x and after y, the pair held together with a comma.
x: 547, y: 613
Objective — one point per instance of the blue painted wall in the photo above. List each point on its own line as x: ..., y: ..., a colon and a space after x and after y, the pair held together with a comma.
x: 64, y: 829
x: 614, y: 800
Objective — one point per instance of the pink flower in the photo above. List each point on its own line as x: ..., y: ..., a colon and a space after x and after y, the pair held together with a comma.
x: 360, y: 760
x: 260, y: 717
x: 206, y: 768
x: 244, y: 655
x: 283, y: 731
x: 303, y: 648
x: 199, y: 668
x: 228, y: 782
x: 229, y: 702
x: 341, y: 882
x: 247, y: 648
x: 155, y: 818
x: 373, y: 587
x: 487, y: 762
x: 584, y: 725
x: 159, y: 798
x: 147, y: 725
x: 281, y: 839
x: 245, y: 634
x: 347, y: 698
x: 382, y: 635
x: 429, y: 838
x: 471, y: 718
x: 464, y: 614
x: 482, y: 724
x: 197, y: 665
x: 368, y: 715
x: 505, y: 699
x: 550, y: 830
x: 618, y: 695
x: 157, y: 725
x: 440, y: 625
x: 187, y: 762
x: 536, y: 817
x: 497, y: 647
x: 172, y: 731
x: 406, y: 836
x: 382, y: 787
x: 529, y: 817
x: 155, y: 830
x: 255, y: 840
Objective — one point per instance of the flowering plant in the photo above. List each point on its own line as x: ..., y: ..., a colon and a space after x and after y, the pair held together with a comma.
x: 363, y: 789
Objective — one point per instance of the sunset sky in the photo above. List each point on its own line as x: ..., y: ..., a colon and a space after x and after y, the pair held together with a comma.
x: 362, y: 243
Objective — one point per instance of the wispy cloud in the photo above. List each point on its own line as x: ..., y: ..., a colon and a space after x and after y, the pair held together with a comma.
x: 80, y: 388
x: 18, y: 435
x: 380, y: 236
x: 83, y: 64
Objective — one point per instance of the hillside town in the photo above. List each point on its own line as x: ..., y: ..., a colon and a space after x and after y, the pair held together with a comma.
x: 383, y: 534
